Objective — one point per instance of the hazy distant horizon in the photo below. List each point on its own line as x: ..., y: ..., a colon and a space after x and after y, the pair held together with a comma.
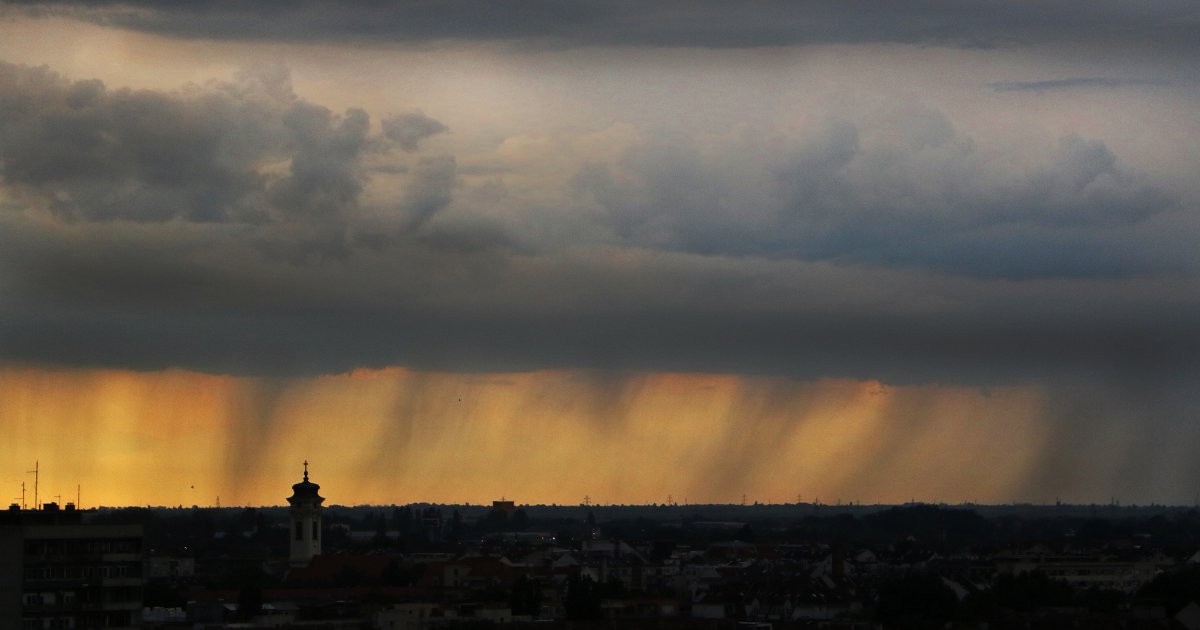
x: 715, y: 511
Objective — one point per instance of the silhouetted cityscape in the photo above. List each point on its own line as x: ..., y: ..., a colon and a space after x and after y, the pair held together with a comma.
x: 419, y: 566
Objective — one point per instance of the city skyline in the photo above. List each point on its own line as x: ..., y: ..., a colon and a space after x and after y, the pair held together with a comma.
x: 944, y: 251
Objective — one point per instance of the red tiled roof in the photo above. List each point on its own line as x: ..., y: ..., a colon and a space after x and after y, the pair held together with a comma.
x: 344, y: 593
x: 323, y: 568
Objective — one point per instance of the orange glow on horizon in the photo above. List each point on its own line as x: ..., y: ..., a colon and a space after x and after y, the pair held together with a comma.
x: 398, y: 435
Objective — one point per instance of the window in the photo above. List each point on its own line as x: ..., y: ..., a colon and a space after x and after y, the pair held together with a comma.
x: 299, y: 527
x: 316, y: 530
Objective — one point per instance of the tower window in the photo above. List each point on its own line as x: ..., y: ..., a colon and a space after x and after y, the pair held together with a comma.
x: 316, y: 530
x: 299, y: 531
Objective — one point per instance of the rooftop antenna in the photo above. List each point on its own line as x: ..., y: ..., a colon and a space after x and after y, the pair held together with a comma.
x: 587, y: 500
x: 22, y: 495
x: 36, y: 466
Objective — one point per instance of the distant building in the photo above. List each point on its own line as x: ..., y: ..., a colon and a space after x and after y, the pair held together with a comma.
x: 432, y: 523
x: 170, y: 567
x: 508, y: 507
x: 1084, y: 571
x: 58, y: 572
x: 305, y: 521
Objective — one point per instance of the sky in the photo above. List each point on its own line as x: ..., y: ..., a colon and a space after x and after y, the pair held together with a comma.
x: 838, y: 251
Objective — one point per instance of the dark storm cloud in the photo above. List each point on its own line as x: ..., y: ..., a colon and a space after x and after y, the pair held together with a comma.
x: 705, y: 23
x: 324, y: 176
x: 235, y: 227
x: 1070, y: 84
x: 925, y: 197
x: 164, y: 304
x: 410, y: 128
x: 88, y: 153
x: 244, y: 152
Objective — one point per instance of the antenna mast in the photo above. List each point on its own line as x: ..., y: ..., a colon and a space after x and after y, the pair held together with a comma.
x: 36, y: 466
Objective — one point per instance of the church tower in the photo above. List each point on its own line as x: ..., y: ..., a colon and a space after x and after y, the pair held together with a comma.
x: 306, y: 521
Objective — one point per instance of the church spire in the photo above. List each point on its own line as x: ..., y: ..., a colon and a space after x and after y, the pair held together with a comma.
x: 305, y: 515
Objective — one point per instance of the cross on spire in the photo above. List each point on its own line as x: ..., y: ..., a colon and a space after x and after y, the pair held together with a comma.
x: 306, y: 470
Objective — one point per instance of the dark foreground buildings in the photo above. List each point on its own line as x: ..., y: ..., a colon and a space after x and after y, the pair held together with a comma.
x: 427, y: 567
x: 58, y: 573
x: 715, y: 567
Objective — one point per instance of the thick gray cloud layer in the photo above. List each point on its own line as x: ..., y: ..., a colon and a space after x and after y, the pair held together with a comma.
x: 235, y: 227
x: 409, y: 129
x: 247, y: 152
x: 1070, y: 84
x: 704, y: 23
x: 929, y: 198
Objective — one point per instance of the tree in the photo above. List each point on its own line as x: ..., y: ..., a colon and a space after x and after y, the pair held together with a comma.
x: 526, y: 597
x: 1174, y: 589
x: 249, y: 602
x: 1029, y: 591
x: 456, y: 526
x: 583, y: 598
x: 916, y: 601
